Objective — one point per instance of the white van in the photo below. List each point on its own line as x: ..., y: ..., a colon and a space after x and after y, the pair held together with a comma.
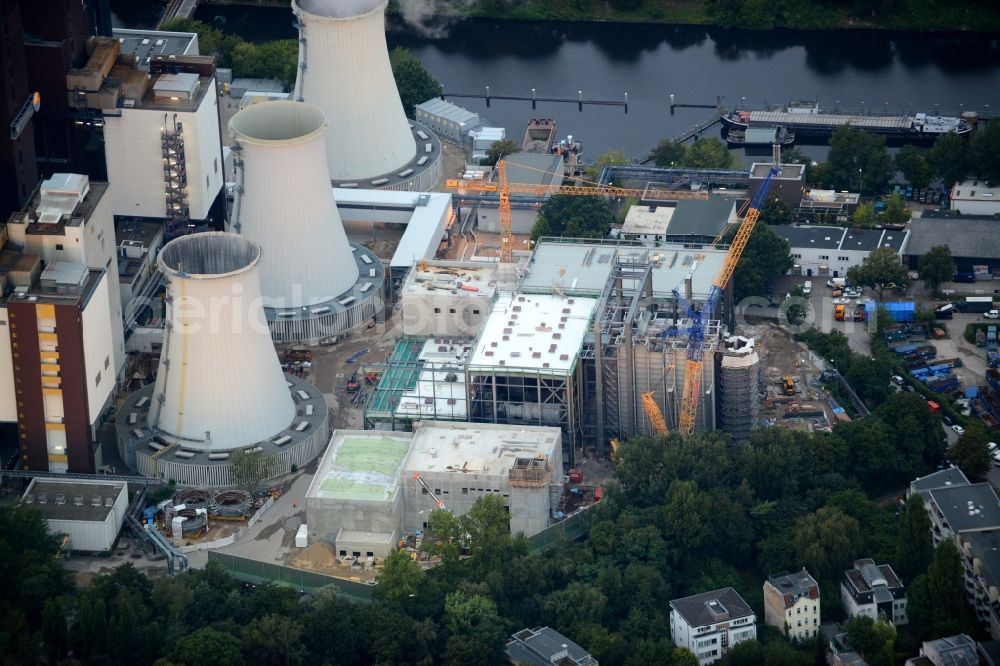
x: 836, y: 282
x: 807, y: 287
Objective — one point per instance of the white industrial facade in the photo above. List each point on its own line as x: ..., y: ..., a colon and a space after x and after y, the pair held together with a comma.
x: 90, y: 513
x: 220, y: 385
x: 447, y: 298
x: 831, y: 251
x: 285, y: 204
x: 975, y: 197
x: 133, y: 146
x: 344, y: 69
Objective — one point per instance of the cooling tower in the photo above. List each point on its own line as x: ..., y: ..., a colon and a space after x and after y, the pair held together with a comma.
x: 344, y: 69
x: 286, y: 204
x: 219, y: 385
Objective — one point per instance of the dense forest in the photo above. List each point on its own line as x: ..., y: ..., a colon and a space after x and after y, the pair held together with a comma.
x: 681, y: 516
x: 980, y: 15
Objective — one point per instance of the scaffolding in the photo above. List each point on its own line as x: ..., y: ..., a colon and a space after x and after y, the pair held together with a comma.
x: 637, y: 347
x: 174, y: 177
x: 741, y: 387
x: 529, y: 473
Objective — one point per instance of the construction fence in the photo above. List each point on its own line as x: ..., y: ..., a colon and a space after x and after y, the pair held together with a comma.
x: 570, y: 529
x: 264, y: 573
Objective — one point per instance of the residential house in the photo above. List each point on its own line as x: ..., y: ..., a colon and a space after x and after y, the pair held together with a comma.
x: 874, y: 590
x: 543, y: 646
x: 791, y: 603
x: 957, y: 650
x: 710, y: 623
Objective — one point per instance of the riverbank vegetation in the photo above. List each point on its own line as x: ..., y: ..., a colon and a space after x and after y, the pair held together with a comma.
x: 924, y: 15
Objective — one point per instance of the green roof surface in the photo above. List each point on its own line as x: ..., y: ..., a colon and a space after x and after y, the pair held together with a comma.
x: 364, y: 468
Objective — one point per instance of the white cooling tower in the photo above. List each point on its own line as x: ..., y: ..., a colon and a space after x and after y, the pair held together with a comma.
x: 287, y: 205
x: 219, y: 385
x: 344, y: 69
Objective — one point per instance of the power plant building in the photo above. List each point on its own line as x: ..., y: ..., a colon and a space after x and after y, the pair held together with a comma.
x: 89, y: 513
x: 344, y: 69
x: 447, y: 298
x: 219, y: 386
x: 365, y: 493
x: 161, y: 133
x: 314, y: 283
x: 61, y: 340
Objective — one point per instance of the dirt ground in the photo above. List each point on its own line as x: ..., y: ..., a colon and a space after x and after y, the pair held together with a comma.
x: 784, y: 356
x: 322, y: 558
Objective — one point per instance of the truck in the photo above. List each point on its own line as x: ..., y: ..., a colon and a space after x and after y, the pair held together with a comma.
x: 964, y: 276
x: 992, y: 314
x: 836, y: 282
x: 981, y: 304
x: 788, y: 384
x: 838, y: 311
x: 897, y: 332
x: 991, y: 338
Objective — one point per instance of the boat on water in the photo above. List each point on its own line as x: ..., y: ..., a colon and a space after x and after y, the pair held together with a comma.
x: 760, y: 136
x: 806, y: 119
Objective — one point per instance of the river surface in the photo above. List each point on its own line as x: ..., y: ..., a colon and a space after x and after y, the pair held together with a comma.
x: 849, y: 70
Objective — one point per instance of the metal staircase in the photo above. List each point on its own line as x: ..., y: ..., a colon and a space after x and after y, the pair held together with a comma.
x: 175, y: 177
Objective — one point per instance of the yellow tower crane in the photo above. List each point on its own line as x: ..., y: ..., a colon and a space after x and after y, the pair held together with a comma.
x: 654, y: 413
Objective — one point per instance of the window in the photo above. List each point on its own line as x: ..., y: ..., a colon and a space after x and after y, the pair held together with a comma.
x: 465, y: 491
x: 369, y: 554
x: 475, y: 312
x: 343, y: 553
x: 437, y: 310
x: 356, y: 553
x: 107, y: 362
x: 824, y: 256
x: 215, y: 164
x: 451, y: 310
x: 206, y: 181
x: 59, y: 246
x: 97, y: 380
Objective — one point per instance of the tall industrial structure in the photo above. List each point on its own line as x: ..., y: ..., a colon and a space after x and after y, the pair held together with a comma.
x: 61, y: 340
x: 219, y: 386
x: 344, y: 69
x: 742, y: 384
x: 311, y: 280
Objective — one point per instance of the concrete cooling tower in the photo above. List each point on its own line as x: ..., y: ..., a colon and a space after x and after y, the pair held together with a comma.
x: 287, y: 204
x: 219, y: 386
x: 310, y: 274
x: 344, y: 69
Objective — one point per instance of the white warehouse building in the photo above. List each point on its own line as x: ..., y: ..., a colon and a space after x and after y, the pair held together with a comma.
x: 830, y: 251
x: 90, y: 513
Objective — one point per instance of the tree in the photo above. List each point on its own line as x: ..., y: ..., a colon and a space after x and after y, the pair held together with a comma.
x: 487, y: 526
x: 985, y: 150
x: 573, y: 217
x: 209, y: 38
x: 668, y: 153
x: 946, y: 587
x: 798, y: 308
x: 615, y: 157
x: 971, y: 454
x: 766, y: 256
x: 249, y: 468
x: 896, y: 213
x: 208, y: 647
x: 864, y: 216
x: 914, y: 548
x: 399, y: 579
x: 858, y: 161
x: 882, y: 266
x: 708, y: 154
x: 475, y: 630
x: 775, y: 211
x: 949, y: 158
x: 827, y: 541
x: 273, y: 639
x: 912, y: 162
x: 874, y: 639
x: 936, y: 266
x: 498, y: 150
x: 414, y: 82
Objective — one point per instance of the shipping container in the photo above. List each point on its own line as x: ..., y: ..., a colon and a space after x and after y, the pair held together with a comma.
x: 977, y: 304
x: 901, y: 311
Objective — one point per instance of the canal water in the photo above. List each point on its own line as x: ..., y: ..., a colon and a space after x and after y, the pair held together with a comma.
x: 849, y: 70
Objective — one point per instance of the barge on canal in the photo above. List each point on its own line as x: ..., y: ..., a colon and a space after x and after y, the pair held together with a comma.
x: 806, y: 119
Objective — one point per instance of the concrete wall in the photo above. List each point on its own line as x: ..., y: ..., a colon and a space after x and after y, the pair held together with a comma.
x: 428, y: 313
x: 521, y: 221
x: 326, y: 517
x: 662, y: 372
x: 99, y: 347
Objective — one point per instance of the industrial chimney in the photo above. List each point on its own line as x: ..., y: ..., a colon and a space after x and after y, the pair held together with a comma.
x: 285, y: 203
x: 344, y: 70
x: 218, y: 372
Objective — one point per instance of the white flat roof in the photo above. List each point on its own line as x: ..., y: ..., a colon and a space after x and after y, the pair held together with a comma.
x: 582, y: 268
x: 642, y: 220
x: 541, y: 332
x: 360, y: 465
x: 425, y: 226
x: 434, y: 396
x: 441, y: 277
x: 477, y: 448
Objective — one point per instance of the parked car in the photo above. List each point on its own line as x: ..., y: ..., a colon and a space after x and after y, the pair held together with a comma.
x: 807, y: 287
x: 992, y: 446
x: 947, y: 421
x: 992, y: 314
x: 996, y: 458
x: 897, y: 380
x: 958, y: 429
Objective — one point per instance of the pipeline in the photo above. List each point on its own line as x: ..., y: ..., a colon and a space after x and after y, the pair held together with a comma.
x: 192, y: 498
x: 231, y: 504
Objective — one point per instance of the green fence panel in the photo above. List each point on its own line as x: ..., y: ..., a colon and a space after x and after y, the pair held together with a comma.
x: 265, y: 573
